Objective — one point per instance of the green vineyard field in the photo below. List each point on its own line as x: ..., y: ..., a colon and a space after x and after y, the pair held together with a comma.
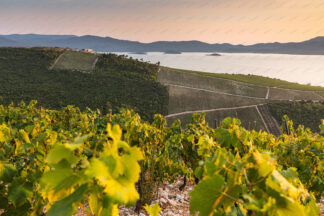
x: 55, y: 161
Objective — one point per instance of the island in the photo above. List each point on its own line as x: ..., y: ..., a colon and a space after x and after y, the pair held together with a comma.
x: 214, y: 54
x: 172, y: 52
x: 139, y: 53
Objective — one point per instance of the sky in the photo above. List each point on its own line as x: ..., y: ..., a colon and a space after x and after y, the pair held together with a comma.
x: 213, y: 21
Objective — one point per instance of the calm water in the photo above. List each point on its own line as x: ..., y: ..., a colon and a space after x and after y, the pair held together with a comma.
x: 305, y: 69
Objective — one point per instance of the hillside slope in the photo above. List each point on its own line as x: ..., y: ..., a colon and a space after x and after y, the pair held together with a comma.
x: 116, y: 82
x: 240, y: 96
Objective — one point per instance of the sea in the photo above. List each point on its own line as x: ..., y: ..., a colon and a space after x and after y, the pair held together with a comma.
x: 303, y: 69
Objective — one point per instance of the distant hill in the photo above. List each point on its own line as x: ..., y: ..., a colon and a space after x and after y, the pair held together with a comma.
x: 313, y: 46
x: 7, y: 42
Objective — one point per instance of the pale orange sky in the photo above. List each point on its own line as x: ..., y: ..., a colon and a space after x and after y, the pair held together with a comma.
x: 213, y: 21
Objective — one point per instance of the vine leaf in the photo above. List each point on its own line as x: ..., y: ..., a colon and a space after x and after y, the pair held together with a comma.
x: 95, y: 203
x: 7, y: 171
x: 77, y: 143
x: 60, y: 152
x: 207, y: 195
x: 68, y: 205
x: 18, y: 194
x: 153, y: 210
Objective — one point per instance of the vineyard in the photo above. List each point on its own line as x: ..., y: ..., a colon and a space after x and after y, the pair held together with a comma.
x: 236, y: 95
x: 115, y: 82
x: 307, y: 113
x: 52, y: 162
x: 256, y: 80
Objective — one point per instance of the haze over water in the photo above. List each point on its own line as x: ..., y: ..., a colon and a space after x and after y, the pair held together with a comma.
x: 304, y: 69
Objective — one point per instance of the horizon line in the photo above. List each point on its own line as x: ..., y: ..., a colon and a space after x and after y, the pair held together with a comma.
x: 236, y: 44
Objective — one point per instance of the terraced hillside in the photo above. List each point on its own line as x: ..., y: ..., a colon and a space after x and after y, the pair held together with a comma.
x: 256, y: 80
x: 202, y: 81
x: 182, y: 99
x: 289, y: 94
x: 269, y: 121
x: 73, y: 60
x: 248, y: 115
x: 115, y: 82
x: 221, y: 96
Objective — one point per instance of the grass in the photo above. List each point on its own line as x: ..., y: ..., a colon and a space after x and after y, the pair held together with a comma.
x: 72, y: 60
x: 249, y: 117
x: 258, y: 80
x: 182, y: 99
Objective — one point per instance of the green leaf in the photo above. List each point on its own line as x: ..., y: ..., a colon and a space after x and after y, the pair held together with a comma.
x: 217, y: 162
x: 205, y: 144
x: 60, y: 177
x: 153, y: 210
x: 19, y: 194
x: 68, y: 205
x: 77, y: 143
x: 130, y: 162
x: 114, y: 132
x: 23, y: 135
x: 291, y: 209
x: 265, y: 164
x: 312, y: 208
x: 207, y: 195
x: 234, y: 192
x: 94, y: 203
x: 60, y: 152
x: 4, y: 133
x: 108, y: 207
x: 7, y: 172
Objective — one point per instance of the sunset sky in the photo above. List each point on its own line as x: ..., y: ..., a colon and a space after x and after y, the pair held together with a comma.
x: 213, y: 21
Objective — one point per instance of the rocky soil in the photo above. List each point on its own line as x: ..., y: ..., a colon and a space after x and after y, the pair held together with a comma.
x: 172, y: 201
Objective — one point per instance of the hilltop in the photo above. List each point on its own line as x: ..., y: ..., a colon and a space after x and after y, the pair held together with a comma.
x: 60, y: 77
x: 313, y: 46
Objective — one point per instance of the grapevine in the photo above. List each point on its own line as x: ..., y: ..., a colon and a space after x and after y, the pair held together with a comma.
x: 52, y: 162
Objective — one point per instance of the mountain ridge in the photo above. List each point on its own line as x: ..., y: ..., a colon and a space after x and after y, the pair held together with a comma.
x: 313, y: 46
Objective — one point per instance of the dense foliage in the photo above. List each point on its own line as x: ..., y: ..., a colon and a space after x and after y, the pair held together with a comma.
x: 128, y: 66
x: 46, y: 162
x: 249, y: 185
x: 63, y: 159
x: 304, y: 113
x: 305, y: 151
x: 117, y: 82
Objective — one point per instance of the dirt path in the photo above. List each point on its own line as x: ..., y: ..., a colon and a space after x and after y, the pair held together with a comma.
x: 212, y: 91
x: 264, y: 123
x: 53, y: 65
x: 94, y: 63
x: 211, y: 110
x: 235, y: 95
x: 268, y: 93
